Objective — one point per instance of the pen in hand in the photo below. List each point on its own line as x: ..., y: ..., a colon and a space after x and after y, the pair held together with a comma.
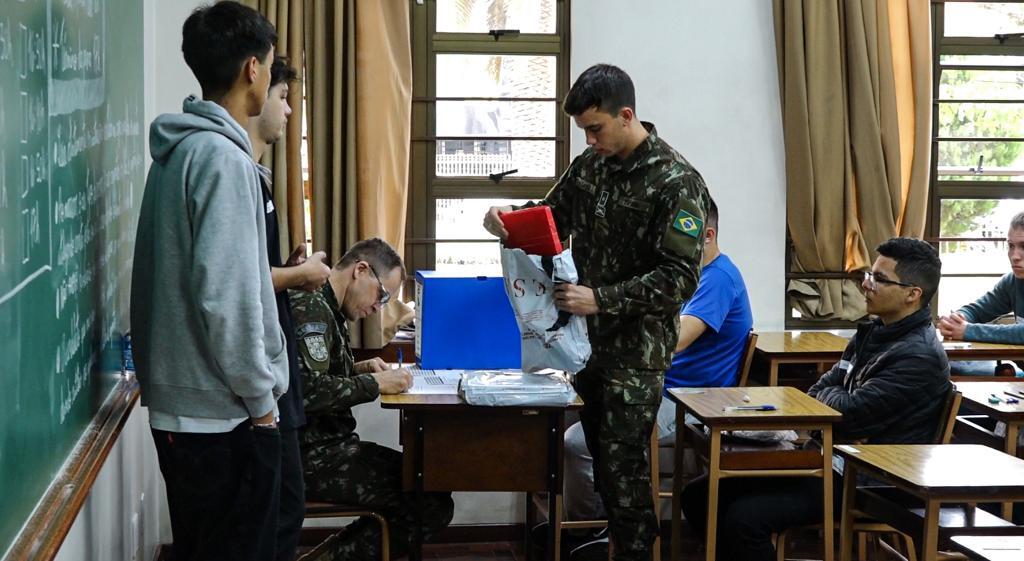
x: 399, y: 358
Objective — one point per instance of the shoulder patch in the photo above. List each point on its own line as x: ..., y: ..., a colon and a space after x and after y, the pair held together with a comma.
x: 688, y: 224
x: 316, y: 346
x: 312, y: 327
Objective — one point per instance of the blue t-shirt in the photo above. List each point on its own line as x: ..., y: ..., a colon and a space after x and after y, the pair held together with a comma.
x: 721, y: 303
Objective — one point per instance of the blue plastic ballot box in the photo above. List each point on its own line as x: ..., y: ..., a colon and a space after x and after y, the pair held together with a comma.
x: 464, y: 322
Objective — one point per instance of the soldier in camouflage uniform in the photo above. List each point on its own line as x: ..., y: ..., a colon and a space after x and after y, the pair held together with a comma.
x: 339, y: 467
x: 635, y: 210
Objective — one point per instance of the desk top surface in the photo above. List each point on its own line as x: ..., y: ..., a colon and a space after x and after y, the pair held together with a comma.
x: 958, y: 350
x: 791, y: 405
x: 797, y: 342
x: 992, y: 548
x: 800, y: 342
x: 451, y: 401
x: 940, y: 467
x: 978, y: 393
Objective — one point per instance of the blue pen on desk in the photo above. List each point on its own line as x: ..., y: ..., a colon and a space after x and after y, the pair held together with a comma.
x: 750, y: 408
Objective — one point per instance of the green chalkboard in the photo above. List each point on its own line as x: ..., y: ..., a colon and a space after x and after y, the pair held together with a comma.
x: 71, y: 176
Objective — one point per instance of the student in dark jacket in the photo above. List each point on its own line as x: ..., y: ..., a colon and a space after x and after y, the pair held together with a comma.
x: 889, y: 385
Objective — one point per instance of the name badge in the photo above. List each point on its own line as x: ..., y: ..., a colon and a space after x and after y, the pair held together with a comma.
x: 844, y: 365
x: 270, y: 206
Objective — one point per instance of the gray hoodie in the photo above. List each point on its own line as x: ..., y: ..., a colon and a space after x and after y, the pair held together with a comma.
x: 205, y: 333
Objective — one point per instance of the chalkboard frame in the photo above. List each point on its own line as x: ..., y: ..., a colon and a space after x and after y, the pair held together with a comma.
x: 48, y: 525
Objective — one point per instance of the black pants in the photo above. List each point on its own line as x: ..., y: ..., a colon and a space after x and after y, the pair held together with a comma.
x: 293, y: 497
x: 750, y: 510
x: 222, y: 492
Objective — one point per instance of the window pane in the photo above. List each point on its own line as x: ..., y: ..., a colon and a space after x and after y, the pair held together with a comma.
x: 987, y: 60
x: 982, y: 258
x: 975, y: 218
x: 982, y: 84
x: 462, y: 75
x: 481, y: 16
x: 965, y: 155
x: 463, y: 219
x: 956, y: 291
x: 983, y: 19
x: 989, y: 176
x: 981, y: 119
x: 477, y: 158
x: 496, y: 118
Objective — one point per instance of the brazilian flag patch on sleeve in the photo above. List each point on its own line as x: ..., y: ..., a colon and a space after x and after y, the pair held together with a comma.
x: 688, y: 224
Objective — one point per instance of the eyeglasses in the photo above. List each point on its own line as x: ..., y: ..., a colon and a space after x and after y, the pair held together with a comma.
x: 873, y: 282
x: 385, y: 296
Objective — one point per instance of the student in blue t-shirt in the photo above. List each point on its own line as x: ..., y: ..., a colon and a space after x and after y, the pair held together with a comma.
x: 713, y: 331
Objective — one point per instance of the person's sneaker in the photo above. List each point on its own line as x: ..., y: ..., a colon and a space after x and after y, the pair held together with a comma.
x: 596, y: 550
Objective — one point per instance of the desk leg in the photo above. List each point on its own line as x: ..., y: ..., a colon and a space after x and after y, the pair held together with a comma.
x: 1012, y: 431
x: 714, y: 474
x: 773, y: 372
x: 554, y: 486
x: 677, y: 485
x: 826, y: 476
x: 416, y: 549
x: 930, y: 540
x: 849, y: 500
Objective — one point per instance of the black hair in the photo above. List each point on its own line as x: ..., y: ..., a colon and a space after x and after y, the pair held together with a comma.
x: 282, y: 71
x: 917, y: 263
x: 375, y: 251
x: 603, y: 86
x: 711, y: 220
x: 217, y: 40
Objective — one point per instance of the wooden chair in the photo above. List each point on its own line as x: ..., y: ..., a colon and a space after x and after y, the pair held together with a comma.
x: 316, y: 509
x: 865, y: 525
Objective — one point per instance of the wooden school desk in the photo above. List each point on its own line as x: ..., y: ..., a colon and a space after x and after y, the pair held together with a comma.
x: 776, y: 348
x: 794, y: 410
x: 451, y: 446
x: 976, y: 398
x: 797, y: 347
x: 934, y: 473
x: 990, y: 548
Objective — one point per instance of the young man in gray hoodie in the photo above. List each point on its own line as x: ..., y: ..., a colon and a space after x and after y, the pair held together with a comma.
x: 210, y: 355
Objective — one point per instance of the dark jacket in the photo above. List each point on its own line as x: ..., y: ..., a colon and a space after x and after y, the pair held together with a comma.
x: 891, y: 383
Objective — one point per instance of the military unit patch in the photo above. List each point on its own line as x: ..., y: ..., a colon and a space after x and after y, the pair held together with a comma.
x: 316, y: 346
x: 312, y: 327
x: 688, y: 224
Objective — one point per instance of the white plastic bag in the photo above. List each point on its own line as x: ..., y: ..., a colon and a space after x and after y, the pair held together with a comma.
x: 550, y: 339
x: 498, y: 388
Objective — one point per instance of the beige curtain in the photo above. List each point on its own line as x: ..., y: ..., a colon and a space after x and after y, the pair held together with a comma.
x: 285, y: 159
x: 359, y: 104
x: 855, y: 86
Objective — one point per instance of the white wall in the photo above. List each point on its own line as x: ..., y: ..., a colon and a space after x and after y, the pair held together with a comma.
x: 125, y: 516
x: 705, y: 74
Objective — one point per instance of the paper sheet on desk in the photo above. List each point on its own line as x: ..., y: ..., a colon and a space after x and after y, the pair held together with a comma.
x: 436, y: 382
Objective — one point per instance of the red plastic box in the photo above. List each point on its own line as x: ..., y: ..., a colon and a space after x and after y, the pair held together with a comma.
x: 532, y: 230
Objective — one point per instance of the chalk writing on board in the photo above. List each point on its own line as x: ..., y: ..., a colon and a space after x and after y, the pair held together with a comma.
x: 6, y: 47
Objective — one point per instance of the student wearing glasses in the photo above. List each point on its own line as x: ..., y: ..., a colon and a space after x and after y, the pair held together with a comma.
x: 338, y: 466
x: 889, y: 386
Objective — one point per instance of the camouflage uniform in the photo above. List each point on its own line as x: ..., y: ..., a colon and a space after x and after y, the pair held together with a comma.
x: 637, y: 227
x: 338, y: 466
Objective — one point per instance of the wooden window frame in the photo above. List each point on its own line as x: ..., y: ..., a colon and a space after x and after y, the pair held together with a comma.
x: 425, y: 188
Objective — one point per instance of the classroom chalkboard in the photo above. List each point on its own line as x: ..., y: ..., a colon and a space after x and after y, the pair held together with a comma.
x: 71, y: 176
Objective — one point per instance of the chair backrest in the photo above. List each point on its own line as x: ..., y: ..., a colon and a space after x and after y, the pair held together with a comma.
x: 947, y: 416
x: 746, y: 359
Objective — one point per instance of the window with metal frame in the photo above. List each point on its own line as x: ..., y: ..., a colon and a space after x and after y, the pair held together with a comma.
x: 977, y: 179
x: 487, y: 126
